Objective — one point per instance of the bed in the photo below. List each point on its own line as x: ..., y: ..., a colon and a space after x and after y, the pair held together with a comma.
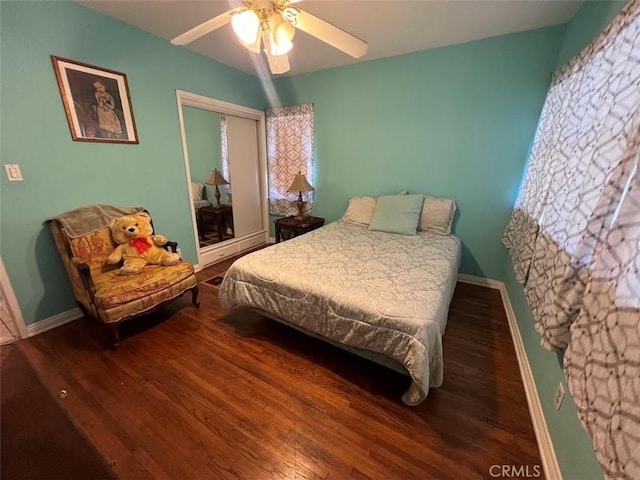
x: 382, y: 295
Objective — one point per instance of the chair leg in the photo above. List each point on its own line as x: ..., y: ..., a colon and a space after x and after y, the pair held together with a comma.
x: 194, y: 296
x: 86, y: 313
x: 116, y: 336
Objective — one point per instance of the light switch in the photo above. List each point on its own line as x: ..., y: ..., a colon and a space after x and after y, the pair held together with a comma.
x: 559, y: 396
x: 13, y: 172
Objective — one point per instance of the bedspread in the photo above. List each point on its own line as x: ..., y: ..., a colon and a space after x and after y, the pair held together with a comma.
x: 381, y: 292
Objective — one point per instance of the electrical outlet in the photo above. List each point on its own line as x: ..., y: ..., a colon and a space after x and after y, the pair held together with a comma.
x: 179, y: 252
x: 559, y: 396
x: 13, y: 172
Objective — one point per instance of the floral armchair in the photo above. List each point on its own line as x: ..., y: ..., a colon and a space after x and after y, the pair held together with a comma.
x: 83, y: 239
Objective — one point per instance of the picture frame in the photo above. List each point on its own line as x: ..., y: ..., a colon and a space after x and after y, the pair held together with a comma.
x: 96, y: 101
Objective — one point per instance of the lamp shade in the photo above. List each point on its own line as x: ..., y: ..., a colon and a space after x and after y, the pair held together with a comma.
x: 216, y: 178
x: 300, y: 184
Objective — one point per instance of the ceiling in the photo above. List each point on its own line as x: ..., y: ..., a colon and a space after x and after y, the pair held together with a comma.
x: 391, y: 27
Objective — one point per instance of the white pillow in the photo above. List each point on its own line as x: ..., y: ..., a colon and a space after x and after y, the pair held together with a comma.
x: 360, y: 210
x: 196, y: 190
x: 437, y: 215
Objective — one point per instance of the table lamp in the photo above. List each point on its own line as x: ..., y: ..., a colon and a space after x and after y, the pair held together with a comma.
x: 216, y: 179
x: 300, y: 185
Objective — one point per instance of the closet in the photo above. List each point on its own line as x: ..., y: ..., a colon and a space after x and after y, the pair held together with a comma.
x: 225, y: 162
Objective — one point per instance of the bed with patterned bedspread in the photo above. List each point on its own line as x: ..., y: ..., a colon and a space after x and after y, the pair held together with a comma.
x: 377, y: 292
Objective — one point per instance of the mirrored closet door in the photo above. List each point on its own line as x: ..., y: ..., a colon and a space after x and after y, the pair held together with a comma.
x: 210, y: 188
x: 242, y: 141
x: 224, y: 157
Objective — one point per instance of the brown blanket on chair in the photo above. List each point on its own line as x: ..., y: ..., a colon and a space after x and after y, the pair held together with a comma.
x: 84, y: 220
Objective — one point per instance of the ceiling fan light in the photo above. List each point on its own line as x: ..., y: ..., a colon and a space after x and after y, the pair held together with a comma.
x: 280, y: 35
x: 280, y: 48
x: 246, y: 25
x: 284, y: 32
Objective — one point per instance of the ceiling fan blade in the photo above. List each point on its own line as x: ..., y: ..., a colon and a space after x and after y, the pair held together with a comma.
x: 204, y: 28
x: 328, y: 33
x: 277, y: 64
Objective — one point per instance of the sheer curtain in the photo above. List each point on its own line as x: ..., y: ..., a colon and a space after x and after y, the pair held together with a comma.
x: 574, y: 233
x: 290, y: 144
x: 224, y: 155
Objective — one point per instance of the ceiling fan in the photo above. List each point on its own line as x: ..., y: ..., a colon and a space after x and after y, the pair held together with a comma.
x: 273, y: 23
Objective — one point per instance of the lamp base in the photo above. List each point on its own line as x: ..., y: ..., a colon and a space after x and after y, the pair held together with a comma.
x: 300, y: 204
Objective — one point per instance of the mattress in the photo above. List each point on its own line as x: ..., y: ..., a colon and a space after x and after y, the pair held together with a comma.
x: 374, y: 291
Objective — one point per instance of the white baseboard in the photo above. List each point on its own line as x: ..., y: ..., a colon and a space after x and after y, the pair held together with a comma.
x: 272, y: 239
x: 545, y: 445
x: 480, y: 281
x: 53, y: 322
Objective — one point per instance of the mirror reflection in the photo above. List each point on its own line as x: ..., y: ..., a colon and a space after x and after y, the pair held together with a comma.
x: 206, y: 136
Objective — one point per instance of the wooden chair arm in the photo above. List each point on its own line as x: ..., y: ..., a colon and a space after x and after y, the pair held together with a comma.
x: 85, y: 276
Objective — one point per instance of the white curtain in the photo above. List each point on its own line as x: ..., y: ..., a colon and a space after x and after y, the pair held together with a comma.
x: 290, y: 145
x: 574, y: 233
x: 224, y: 143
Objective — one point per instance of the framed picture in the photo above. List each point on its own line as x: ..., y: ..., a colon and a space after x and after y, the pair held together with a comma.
x: 96, y: 101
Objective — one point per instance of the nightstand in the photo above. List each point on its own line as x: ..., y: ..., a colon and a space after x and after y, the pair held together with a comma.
x: 220, y: 216
x: 290, y: 227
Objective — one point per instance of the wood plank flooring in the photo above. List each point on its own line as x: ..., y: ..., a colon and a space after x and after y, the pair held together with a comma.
x: 204, y: 394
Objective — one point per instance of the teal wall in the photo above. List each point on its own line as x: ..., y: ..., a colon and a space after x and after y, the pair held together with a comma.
x: 572, y: 444
x: 202, y: 129
x: 60, y: 174
x: 589, y: 21
x: 455, y: 121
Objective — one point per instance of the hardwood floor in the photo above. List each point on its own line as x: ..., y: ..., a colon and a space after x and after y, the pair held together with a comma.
x: 200, y: 394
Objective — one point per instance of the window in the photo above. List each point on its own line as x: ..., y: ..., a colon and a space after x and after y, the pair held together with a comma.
x: 574, y: 236
x: 581, y: 160
x: 290, y: 151
x: 224, y: 155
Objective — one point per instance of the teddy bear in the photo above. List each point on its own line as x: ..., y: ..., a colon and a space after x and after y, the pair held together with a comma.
x: 137, y: 246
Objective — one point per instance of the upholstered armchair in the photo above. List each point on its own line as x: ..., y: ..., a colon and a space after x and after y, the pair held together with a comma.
x: 83, y: 239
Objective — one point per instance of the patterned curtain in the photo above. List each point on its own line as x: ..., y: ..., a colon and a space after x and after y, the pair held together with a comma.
x: 522, y: 229
x: 289, y: 152
x: 224, y: 142
x: 575, y: 231
x: 602, y: 361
